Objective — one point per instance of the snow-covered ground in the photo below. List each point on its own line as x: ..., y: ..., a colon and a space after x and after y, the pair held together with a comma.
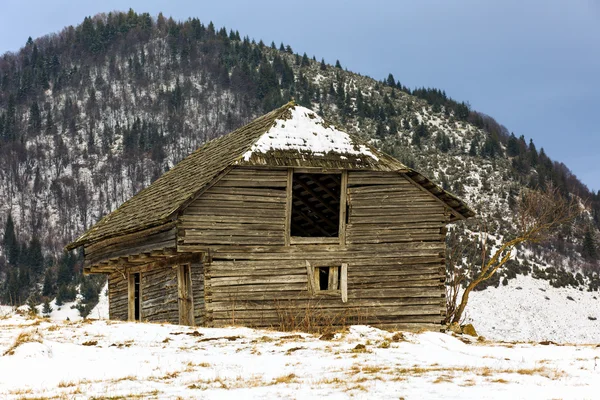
x: 54, y: 357
x: 101, y: 358
x: 529, y: 309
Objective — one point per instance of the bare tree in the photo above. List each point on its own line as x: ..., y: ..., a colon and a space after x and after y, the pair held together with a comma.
x: 539, y: 215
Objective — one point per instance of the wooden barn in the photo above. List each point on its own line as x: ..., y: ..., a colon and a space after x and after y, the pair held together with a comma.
x: 285, y: 221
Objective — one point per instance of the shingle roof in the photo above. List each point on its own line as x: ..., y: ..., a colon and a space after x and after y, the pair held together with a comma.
x: 254, y: 144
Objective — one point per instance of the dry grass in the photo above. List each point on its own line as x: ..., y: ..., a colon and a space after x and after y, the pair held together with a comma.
x: 444, y: 379
x: 289, y: 378
x: 21, y: 391
x: 314, y: 319
x: 552, y: 374
x: 24, y: 337
x: 64, y: 384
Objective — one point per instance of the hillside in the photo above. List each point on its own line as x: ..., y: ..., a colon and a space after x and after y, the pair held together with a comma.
x: 91, y: 115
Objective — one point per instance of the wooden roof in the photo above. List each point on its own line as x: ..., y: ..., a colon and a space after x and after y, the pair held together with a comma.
x: 158, y: 203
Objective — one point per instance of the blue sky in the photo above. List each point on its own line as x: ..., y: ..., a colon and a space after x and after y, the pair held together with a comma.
x: 532, y: 65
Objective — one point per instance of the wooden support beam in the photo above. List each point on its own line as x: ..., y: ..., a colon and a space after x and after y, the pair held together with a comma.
x: 313, y: 209
x: 326, y: 189
x: 313, y: 223
x: 317, y: 196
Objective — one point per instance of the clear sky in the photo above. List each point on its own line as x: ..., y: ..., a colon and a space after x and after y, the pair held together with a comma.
x: 533, y: 65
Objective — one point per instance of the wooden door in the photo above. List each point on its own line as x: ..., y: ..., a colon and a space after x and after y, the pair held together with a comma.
x: 186, y: 303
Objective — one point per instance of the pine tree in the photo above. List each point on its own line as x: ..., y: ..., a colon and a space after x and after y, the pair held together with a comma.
x: 390, y: 80
x: 337, y: 64
x: 512, y: 146
x: 589, y: 250
x: 473, y: 147
x: 47, y: 309
x: 11, y: 244
x: 323, y: 66
x: 305, y: 61
x: 48, y: 288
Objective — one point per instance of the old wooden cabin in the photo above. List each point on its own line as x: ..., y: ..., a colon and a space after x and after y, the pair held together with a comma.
x: 284, y: 217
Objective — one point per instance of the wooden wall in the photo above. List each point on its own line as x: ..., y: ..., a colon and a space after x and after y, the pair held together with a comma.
x: 159, y: 295
x: 394, y: 250
x: 246, y: 207
x: 198, y: 292
x: 117, y: 296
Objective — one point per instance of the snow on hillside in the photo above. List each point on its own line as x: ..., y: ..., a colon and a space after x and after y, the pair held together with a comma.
x: 102, y: 358
x: 529, y: 309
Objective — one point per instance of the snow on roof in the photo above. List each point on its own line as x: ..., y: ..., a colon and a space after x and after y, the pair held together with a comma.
x: 306, y: 132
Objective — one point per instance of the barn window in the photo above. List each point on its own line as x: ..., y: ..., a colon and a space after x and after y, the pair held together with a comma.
x: 315, y: 205
x: 328, y: 280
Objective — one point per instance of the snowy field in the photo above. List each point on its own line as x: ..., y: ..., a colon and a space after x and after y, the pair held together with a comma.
x: 529, y: 309
x: 540, y: 343
x: 87, y: 359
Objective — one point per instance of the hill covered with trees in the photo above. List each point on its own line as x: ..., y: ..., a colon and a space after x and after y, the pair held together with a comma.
x: 91, y: 115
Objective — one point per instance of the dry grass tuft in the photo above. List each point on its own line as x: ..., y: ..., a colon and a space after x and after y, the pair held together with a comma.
x: 24, y: 337
x: 443, y: 378
x: 289, y: 378
x: 64, y: 384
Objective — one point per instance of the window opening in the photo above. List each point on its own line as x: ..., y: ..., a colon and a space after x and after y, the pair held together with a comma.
x: 315, y: 205
x: 329, y: 278
x: 136, y: 297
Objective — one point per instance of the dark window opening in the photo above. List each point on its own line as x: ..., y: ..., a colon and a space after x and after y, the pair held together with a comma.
x: 328, y: 278
x: 315, y: 205
x: 136, y: 297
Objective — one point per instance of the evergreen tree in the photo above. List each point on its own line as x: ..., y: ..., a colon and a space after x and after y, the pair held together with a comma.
x: 48, y: 287
x: 416, y: 140
x: 512, y: 146
x: 47, y: 309
x: 35, y: 118
x: 337, y: 64
x: 305, y: 62
x: 473, y: 147
x: 589, y: 250
x: 323, y: 66
x: 390, y: 80
x: 11, y: 244
x: 35, y: 258
x: 533, y: 154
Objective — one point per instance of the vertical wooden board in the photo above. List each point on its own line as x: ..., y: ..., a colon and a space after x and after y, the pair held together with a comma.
x: 288, y: 206
x: 181, y: 296
x: 333, y: 278
x: 344, y: 282
x: 310, y: 273
x: 197, y: 276
x: 117, y: 297
x: 343, y: 207
x: 160, y: 295
x: 130, y: 298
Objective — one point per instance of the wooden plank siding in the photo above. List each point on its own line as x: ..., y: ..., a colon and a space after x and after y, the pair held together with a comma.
x: 246, y: 207
x: 159, y: 295
x: 394, y: 251
x: 118, y: 295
